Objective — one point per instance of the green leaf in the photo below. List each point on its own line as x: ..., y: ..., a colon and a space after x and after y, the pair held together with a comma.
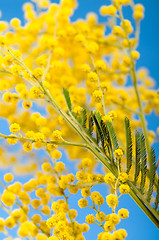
x: 106, y: 133
x: 128, y: 144
x: 84, y: 117
x: 79, y: 119
x: 98, y: 118
x: 91, y: 124
x: 67, y: 98
x: 152, y: 174
x: 99, y: 133
x: 112, y: 135
x: 137, y: 157
x: 74, y: 114
x: 157, y: 195
x: 143, y: 163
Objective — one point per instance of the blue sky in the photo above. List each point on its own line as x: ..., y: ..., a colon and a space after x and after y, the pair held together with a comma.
x: 138, y: 225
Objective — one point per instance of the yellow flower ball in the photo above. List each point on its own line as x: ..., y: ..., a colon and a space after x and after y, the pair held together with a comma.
x: 135, y: 55
x: 109, y: 178
x: 56, y: 154
x: 123, y: 177
x: 15, y: 22
x: 46, y: 167
x: 27, y: 105
x: 8, y: 177
x: 28, y: 146
x: 112, y: 200
x: 90, y: 219
x: 124, y: 189
x: 85, y: 192
x: 108, y: 10
x: 8, y: 198
x: 59, y: 167
x: 97, y: 95
x: 15, y: 127
x: 82, y: 203
x: 123, y: 213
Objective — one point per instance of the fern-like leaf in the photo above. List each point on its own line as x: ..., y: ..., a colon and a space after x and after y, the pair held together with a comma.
x: 84, y: 117
x: 105, y: 132
x: 157, y: 195
x: 97, y: 136
x: 91, y: 124
x: 99, y: 132
x: 67, y: 99
x: 137, y: 157
x: 98, y: 117
x: 128, y: 144
x: 152, y: 174
x: 112, y: 135
x: 143, y: 163
x: 106, y: 135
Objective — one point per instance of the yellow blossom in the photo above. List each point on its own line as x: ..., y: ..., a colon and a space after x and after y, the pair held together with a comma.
x: 108, y: 10
x: 90, y: 219
x: 8, y: 177
x: 82, y: 203
x: 28, y: 146
x: 15, y: 127
x: 123, y: 213
x: 8, y: 198
x: 97, y: 95
x: 123, y: 177
x: 124, y: 189
x: 112, y: 200
x: 109, y: 178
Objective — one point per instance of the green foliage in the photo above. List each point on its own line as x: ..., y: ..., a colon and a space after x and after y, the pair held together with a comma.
x: 128, y: 144
x: 112, y: 135
x: 143, y: 162
x: 99, y: 131
x: 157, y: 195
x: 152, y: 174
x: 138, y: 156
x: 106, y: 134
x: 67, y: 99
x: 107, y: 140
x: 84, y: 118
x: 91, y: 124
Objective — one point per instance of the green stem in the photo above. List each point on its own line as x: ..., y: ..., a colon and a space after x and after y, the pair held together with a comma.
x: 5, y: 71
x: 84, y: 185
x: 63, y: 143
x: 97, y: 211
